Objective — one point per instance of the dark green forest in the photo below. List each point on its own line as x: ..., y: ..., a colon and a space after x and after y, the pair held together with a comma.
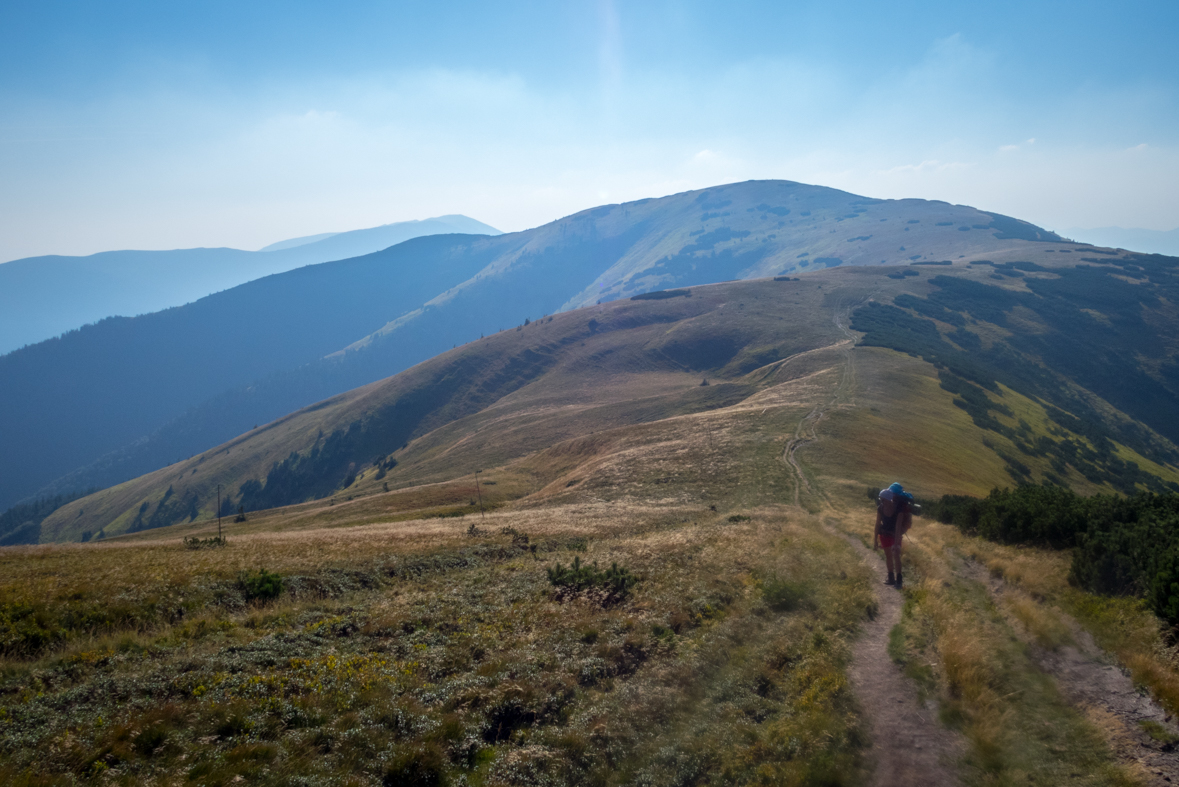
x: 21, y: 524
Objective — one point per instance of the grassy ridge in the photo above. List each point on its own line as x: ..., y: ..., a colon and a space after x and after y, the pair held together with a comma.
x: 403, y: 642
x: 430, y: 647
x: 1073, y: 340
x: 482, y: 404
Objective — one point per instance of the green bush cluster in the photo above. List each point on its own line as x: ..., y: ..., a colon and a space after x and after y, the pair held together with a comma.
x: 262, y: 585
x: 616, y: 581
x: 1121, y: 545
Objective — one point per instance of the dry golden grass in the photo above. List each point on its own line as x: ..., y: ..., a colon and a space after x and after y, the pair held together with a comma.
x: 727, y: 661
x: 1021, y: 731
x: 406, y: 640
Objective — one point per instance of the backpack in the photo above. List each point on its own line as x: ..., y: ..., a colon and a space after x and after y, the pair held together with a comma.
x: 900, y: 503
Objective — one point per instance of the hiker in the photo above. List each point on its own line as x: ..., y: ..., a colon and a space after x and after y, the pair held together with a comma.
x: 894, y: 515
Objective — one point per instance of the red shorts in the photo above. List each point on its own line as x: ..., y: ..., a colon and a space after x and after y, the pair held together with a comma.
x: 886, y: 541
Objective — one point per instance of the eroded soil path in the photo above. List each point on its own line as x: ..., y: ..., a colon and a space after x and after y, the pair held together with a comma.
x: 1091, y: 679
x: 909, y: 744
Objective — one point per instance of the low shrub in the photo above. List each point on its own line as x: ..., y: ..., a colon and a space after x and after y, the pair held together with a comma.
x: 416, y: 766
x: 205, y: 543
x: 262, y: 585
x: 783, y: 595
x: 660, y: 295
x: 1121, y: 545
x: 615, y: 581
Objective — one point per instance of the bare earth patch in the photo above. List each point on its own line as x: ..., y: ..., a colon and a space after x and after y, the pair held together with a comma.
x: 1140, y: 732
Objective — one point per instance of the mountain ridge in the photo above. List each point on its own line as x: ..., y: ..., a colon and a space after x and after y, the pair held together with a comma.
x: 757, y: 228
x: 518, y: 395
x: 43, y: 297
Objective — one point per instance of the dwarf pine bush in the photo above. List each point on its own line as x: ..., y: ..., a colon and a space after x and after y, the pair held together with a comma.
x: 204, y: 543
x: 262, y: 585
x: 616, y: 581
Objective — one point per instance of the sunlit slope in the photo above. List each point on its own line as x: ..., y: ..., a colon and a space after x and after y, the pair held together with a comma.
x: 116, y: 400
x: 738, y: 231
x: 901, y: 425
x: 1094, y: 344
x: 550, y: 400
x: 621, y: 363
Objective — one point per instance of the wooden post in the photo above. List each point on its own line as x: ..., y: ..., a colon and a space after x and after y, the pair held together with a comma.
x: 479, y: 492
x: 218, y: 512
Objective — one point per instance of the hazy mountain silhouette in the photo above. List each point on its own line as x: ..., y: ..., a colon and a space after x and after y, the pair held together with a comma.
x: 125, y: 396
x: 1151, y: 241
x: 42, y: 297
x: 67, y: 401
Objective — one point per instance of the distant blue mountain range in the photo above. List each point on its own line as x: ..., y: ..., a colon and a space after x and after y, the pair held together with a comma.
x: 43, y: 297
x: 1149, y: 241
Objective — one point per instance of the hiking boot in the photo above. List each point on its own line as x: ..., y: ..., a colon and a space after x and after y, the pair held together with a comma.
x: 900, y: 582
x: 891, y: 580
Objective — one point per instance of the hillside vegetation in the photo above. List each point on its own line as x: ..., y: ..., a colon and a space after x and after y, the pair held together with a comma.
x: 1042, y: 407
x: 642, y: 599
x: 127, y: 396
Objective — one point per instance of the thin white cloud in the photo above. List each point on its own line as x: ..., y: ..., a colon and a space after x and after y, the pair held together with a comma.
x: 241, y: 170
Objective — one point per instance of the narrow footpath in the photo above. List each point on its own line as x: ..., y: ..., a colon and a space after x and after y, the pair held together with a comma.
x: 909, y: 745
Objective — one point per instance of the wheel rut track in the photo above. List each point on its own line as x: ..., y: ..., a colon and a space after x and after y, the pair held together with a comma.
x: 807, y: 430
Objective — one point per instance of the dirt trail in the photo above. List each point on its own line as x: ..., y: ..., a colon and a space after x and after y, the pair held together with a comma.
x: 806, y: 431
x: 1090, y: 678
x: 909, y: 745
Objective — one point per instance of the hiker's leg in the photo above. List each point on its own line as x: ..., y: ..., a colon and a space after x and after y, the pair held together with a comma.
x: 887, y: 542
x: 896, y: 556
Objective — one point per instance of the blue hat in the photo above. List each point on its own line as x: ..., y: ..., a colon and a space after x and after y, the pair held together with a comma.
x: 897, y: 488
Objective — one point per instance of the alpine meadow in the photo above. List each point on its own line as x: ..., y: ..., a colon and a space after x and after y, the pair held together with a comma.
x: 620, y: 532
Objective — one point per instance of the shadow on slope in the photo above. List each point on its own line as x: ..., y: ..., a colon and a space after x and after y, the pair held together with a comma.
x: 562, y: 365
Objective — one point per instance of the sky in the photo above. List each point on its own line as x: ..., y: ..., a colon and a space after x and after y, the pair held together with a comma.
x: 172, y: 125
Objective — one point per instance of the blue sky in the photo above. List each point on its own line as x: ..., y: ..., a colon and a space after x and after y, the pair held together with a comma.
x: 164, y: 125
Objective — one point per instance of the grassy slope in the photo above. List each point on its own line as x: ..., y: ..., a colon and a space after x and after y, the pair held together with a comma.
x: 428, y: 644
x: 904, y: 427
x: 637, y: 352
x: 137, y: 409
x: 629, y: 362
x: 415, y: 645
